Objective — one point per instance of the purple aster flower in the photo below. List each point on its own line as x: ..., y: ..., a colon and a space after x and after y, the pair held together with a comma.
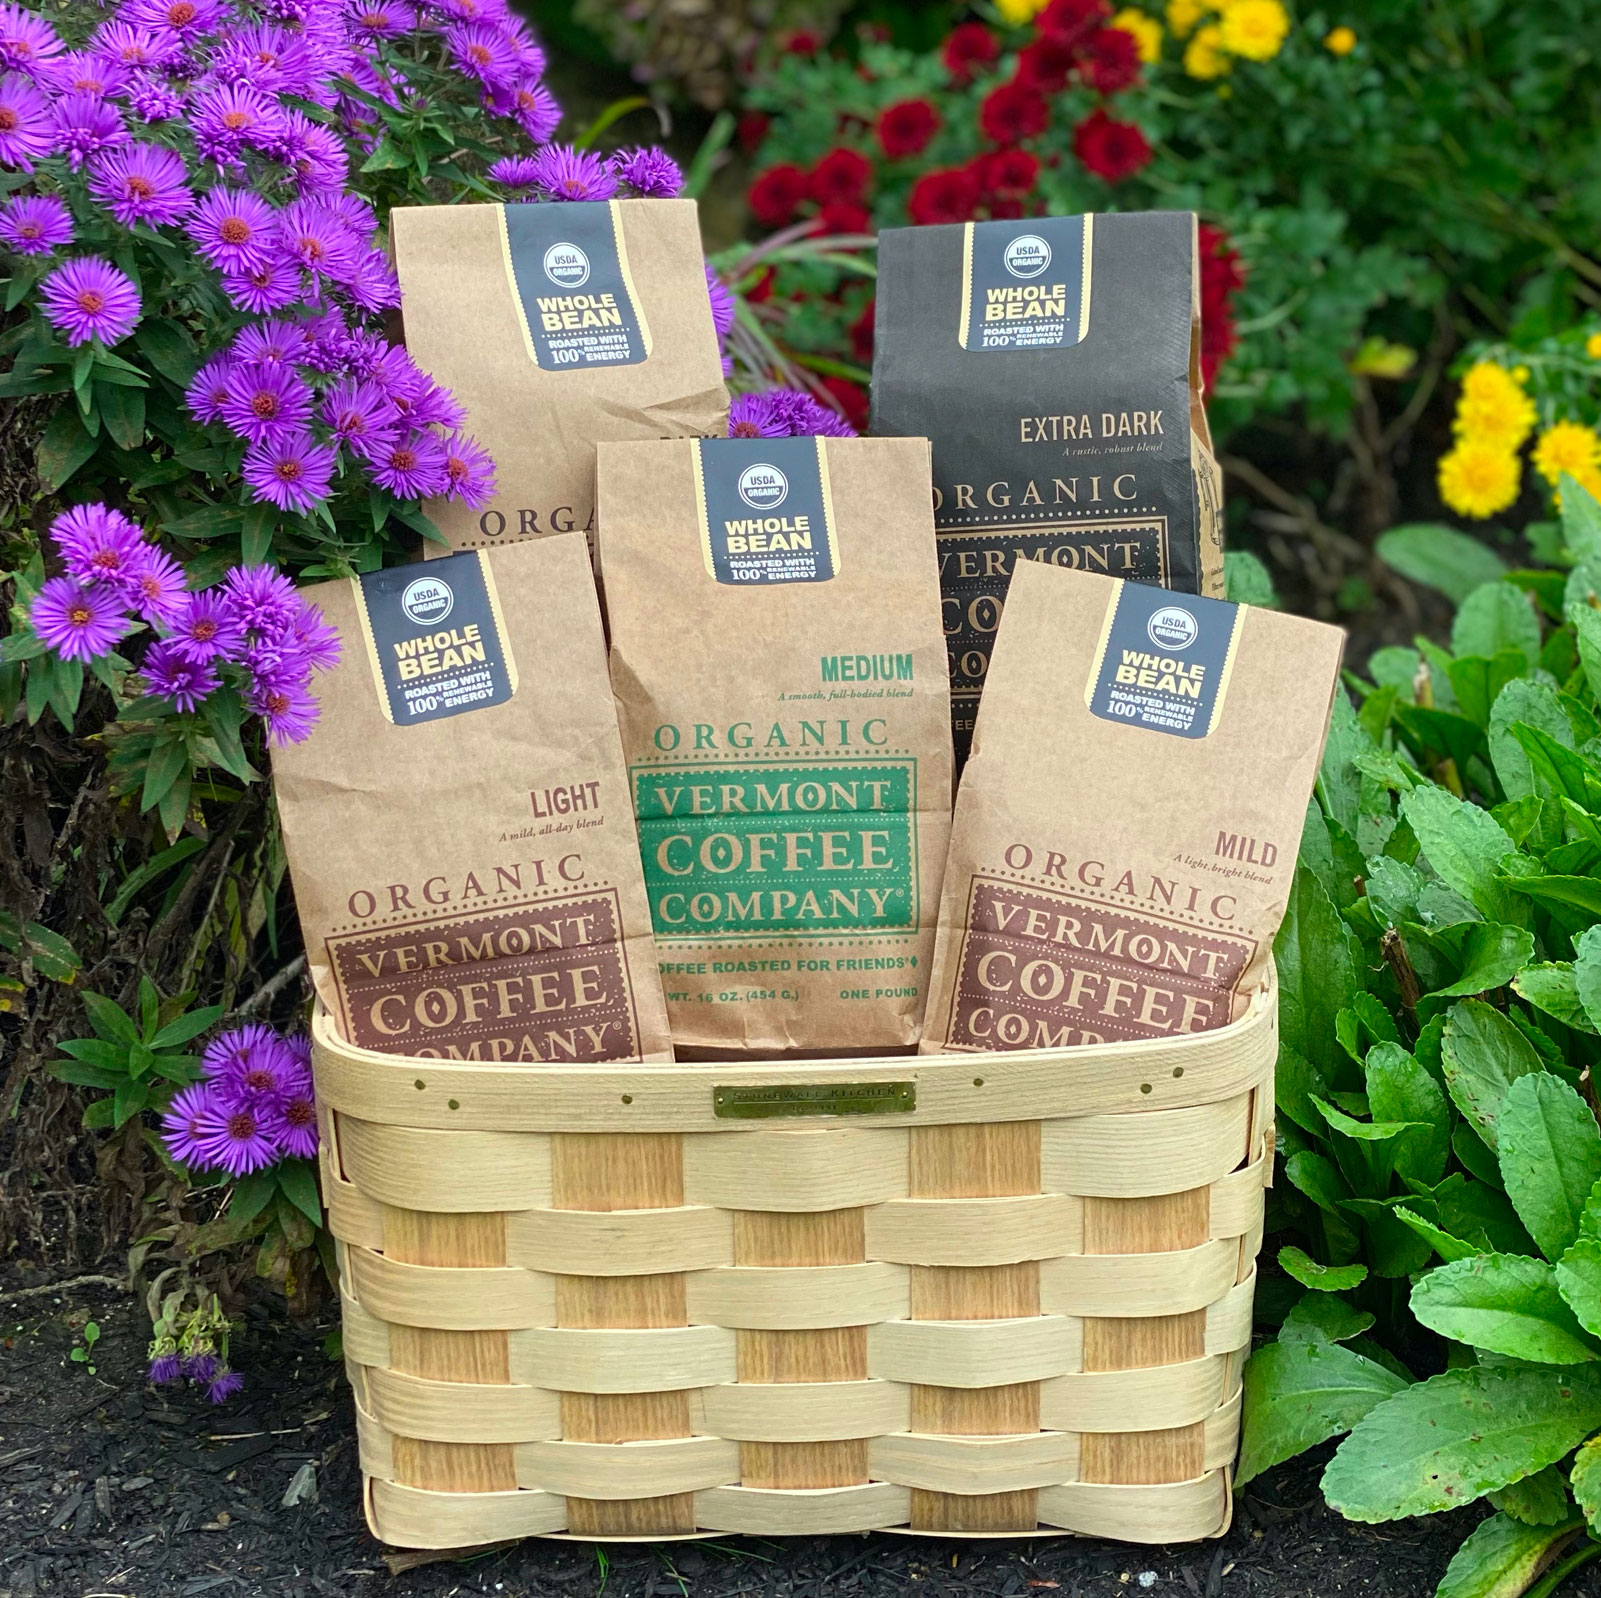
x: 722, y: 298
x: 433, y: 405
x: 379, y: 19
x: 183, y: 1124
x: 273, y: 286
x: 186, y: 18
x: 232, y: 118
x: 413, y: 467
x: 88, y: 72
x: 210, y: 389
x: 268, y: 401
x: 371, y: 282
x: 474, y: 10
x: 483, y: 51
x: 153, y: 99
x: 170, y: 674
x: 158, y: 587
x: 327, y: 341
x: 35, y: 224
x: 141, y: 183
x: 256, y: 1068
x: 650, y: 172
x: 89, y: 298
x: 27, y: 42
x: 290, y: 713
x: 805, y: 416
x: 367, y: 354
x: 229, y: 1051
x: 99, y: 544
x: 267, y: 57
x: 294, y: 1123
x: 272, y: 342
x: 320, y: 647
x: 314, y: 237
x: 398, y: 376
x: 290, y: 470
x: 224, y: 1384
x: 299, y: 1043
x: 280, y: 663
x: 360, y: 416
x: 208, y: 624
x: 315, y: 155
x: 233, y: 1136
x: 136, y: 46
x: 27, y: 128
x: 566, y: 173
x: 530, y: 54
x: 86, y: 123
x: 77, y: 622
x: 536, y: 111
x: 234, y: 229
x: 264, y: 598
x: 514, y: 172
x: 751, y: 416
x: 470, y: 471
x: 164, y: 1369
x: 200, y: 1366
x: 356, y: 212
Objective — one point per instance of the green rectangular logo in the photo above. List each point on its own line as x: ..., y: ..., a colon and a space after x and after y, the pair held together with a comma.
x: 778, y: 850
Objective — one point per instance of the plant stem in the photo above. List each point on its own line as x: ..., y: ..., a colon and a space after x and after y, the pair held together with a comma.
x: 1554, y: 1577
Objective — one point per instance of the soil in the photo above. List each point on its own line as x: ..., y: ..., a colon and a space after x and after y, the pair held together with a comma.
x: 115, y: 1489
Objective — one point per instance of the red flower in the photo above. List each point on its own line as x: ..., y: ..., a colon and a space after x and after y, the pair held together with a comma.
x: 773, y: 196
x: 1045, y: 64
x: 1221, y: 277
x: 845, y: 217
x: 1111, y: 150
x: 861, y: 331
x: 753, y: 128
x: 1071, y: 22
x: 950, y: 195
x: 803, y: 41
x: 1013, y: 112
x: 970, y: 49
x: 1111, y: 60
x: 850, y: 397
x: 762, y: 290
x: 905, y: 128
x: 840, y: 178
x: 1002, y: 209
x: 1008, y: 174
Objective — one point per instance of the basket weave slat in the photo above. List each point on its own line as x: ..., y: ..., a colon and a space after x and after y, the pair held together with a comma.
x: 579, y: 1303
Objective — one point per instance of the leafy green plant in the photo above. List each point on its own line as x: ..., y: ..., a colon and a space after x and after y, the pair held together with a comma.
x: 83, y: 1352
x: 1440, y: 1013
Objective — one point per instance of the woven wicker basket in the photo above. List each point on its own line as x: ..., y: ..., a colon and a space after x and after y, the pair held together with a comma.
x: 999, y: 1294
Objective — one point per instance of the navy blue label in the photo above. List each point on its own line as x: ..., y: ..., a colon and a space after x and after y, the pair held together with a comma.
x: 1164, y: 661
x: 435, y: 638
x: 569, y: 270
x: 765, y: 511
x: 1026, y: 285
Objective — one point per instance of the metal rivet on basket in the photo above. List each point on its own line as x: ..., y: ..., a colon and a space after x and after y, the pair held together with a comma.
x: 419, y: 1084
x: 628, y: 1098
x: 1145, y: 1087
x: 1178, y: 1070
x: 978, y: 1081
x: 454, y: 1104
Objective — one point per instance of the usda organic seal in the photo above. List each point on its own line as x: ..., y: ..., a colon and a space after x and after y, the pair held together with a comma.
x: 567, y: 264
x: 1172, y: 627
x: 426, y: 600
x: 1027, y: 255
x: 762, y: 486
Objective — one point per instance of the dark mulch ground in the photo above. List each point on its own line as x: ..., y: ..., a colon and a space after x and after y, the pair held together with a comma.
x: 111, y: 1488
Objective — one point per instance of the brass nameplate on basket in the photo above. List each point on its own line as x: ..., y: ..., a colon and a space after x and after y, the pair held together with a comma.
x: 814, y: 1098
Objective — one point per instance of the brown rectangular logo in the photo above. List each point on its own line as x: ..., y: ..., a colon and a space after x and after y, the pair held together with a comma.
x: 543, y: 981
x: 1042, y: 970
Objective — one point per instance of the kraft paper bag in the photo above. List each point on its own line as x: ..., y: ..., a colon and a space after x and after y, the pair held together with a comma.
x: 781, y: 684
x: 1055, y: 365
x: 458, y: 824
x: 1127, y: 827
x: 557, y: 325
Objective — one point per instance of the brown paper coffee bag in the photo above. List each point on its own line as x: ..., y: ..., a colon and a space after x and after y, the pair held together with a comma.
x: 458, y: 825
x: 1127, y: 827
x: 780, y: 678
x: 558, y: 325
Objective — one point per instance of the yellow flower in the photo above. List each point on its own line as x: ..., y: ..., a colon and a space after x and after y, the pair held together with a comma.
x: 1339, y: 41
x: 1492, y: 408
x: 1204, y: 56
x: 1255, y: 29
x: 1478, y: 479
x: 1379, y: 358
x: 1182, y: 15
x: 1567, y: 447
x: 1017, y: 12
x: 1592, y: 346
x: 1146, y: 31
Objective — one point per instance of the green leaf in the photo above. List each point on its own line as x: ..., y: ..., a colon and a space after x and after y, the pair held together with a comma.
x: 67, y: 444
x: 1587, y: 973
x: 1556, y: 762
x: 1585, y: 1479
x: 1483, y: 1054
x: 1551, y: 987
x: 299, y: 1183
x: 1579, y: 1281
x: 85, y: 1076
x: 1315, y: 955
x: 1464, y: 845
x: 1538, y: 1500
x: 1323, y: 1318
x: 1524, y: 702
x: 53, y: 957
x: 122, y: 412
x: 1499, y: 1559
x: 1492, y: 953
x: 167, y: 350
x: 142, y: 876
x: 1297, y: 1081
x: 1399, y: 1089
x: 165, y: 763
x: 1364, y: 1131
x: 186, y: 1027
x: 1440, y: 557
x: 1550, y: 1150
x: 174, y: 805
x: 109, y: 1020
x: 1478, y: 682
x: 1449, y: 1440
x: 1321, y: 1278
x: 1247, y: 581
x: 1449, y: 1248
x: 1581, y: 518
x: 251, y: 1195
x: 1496, y: 616
x: 1317, y: 1178
x: 1506, y: 1303
x: 1339, y: 785
x: 1299, y: 1394
x: 131, y: 1097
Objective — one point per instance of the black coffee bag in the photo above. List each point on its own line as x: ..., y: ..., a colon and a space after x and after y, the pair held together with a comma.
x: 1054, y: 364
